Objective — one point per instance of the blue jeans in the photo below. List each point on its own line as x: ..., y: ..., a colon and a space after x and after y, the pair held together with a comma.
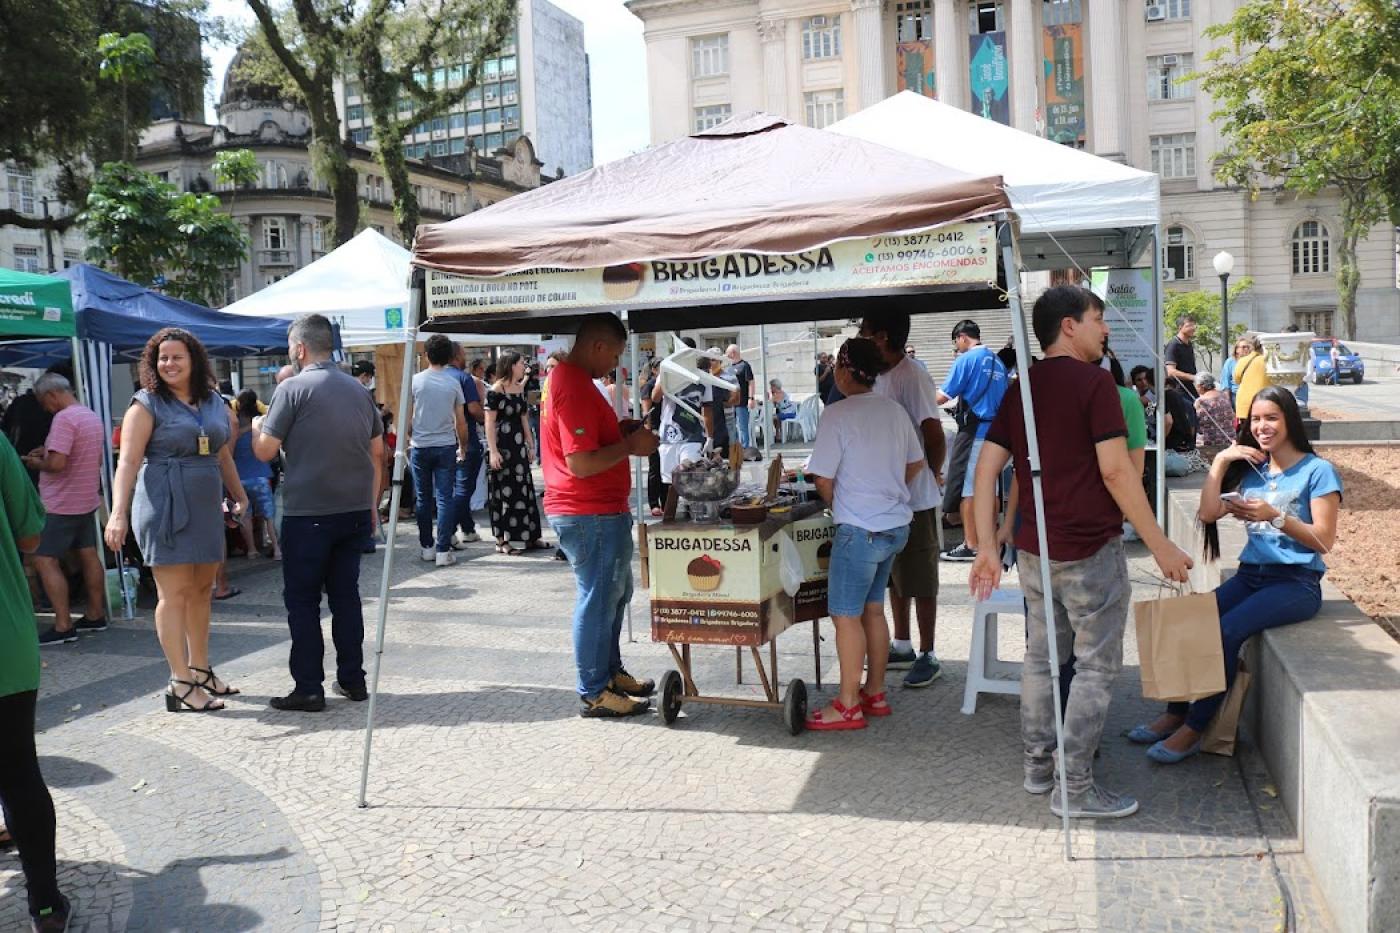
x: 1257, y: 597
x: 599, y: 548
x: 464, y: 488
x: 741, y: 425
x: 433, y: 468
x: 860, y: 567
x: 322, y: 552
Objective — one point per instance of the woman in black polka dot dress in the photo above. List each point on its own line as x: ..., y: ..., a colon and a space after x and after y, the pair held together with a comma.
x: 515, y: 514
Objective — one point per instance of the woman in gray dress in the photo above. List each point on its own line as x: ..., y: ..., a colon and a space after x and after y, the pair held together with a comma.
x: 177, y: 459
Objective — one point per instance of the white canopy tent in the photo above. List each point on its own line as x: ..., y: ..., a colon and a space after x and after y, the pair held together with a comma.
x: 1074, y: 208
x: 1095, y: 208
x: 361, y: 285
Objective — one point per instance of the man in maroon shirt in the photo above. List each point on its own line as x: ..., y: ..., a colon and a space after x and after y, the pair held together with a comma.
x: 587, y: 482
x: 1089, y: 485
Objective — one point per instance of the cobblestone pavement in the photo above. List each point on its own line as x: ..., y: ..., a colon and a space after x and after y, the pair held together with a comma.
x: 493, y: 806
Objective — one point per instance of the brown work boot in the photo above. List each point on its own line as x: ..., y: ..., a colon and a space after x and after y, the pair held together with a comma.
x: 623, y: 682
x: 610, y: 705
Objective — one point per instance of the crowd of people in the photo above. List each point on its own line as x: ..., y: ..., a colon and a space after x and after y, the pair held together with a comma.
x: 193, y: 459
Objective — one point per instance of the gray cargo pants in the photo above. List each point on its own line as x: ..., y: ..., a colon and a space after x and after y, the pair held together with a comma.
x: 1091, y: 598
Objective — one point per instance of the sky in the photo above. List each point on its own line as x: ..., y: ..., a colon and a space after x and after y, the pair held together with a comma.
x: 617, y: 65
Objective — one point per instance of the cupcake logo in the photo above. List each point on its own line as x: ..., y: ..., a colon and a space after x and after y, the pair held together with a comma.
x: 705, y: 573
x: 824, y: 556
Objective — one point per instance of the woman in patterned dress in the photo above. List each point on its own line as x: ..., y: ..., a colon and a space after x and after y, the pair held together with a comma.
x: 515, y: 515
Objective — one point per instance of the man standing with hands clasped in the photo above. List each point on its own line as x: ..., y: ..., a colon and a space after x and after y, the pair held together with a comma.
x: 1090, y: 484
x: 330, y: 435
x: 587, y: 481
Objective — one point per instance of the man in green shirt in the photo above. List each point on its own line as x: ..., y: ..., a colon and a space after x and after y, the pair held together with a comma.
x: 28, y: 806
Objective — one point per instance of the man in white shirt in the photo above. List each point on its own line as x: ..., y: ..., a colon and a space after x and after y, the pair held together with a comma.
x: 915, y: 573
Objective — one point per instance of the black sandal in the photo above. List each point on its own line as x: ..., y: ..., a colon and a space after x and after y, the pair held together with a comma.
x: 206, y: 683
x: 180, y: 702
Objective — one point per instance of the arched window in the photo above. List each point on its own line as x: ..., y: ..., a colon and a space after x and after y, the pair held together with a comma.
x: 1312, y: 248
x: 1178, y: 254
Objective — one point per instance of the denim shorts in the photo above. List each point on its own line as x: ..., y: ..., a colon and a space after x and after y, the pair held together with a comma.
x: 260, y: 501
x: 860, y: 567
x: 969, y: 476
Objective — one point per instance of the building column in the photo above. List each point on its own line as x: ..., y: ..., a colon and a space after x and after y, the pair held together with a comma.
x: 304, y: 256
x: 1024, y: 63
x: 870, y: 47
x: 772, y: 32
x: 950, y: 41
x: 1106, y: 79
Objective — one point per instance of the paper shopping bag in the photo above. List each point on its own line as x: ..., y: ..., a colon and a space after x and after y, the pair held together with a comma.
x: 1219, y: 738
x: 1179, y: 647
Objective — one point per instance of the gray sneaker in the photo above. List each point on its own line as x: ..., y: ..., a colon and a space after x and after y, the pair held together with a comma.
x: 1095, y: 804
x: 1039, y: 780
x: 900, y: 660
x: 925, y: 671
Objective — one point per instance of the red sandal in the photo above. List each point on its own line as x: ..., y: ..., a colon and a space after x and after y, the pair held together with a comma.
x: 874, y: 704
x: 851, y: 718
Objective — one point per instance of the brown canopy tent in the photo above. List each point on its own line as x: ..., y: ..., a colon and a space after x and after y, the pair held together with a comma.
x: 754, y: 221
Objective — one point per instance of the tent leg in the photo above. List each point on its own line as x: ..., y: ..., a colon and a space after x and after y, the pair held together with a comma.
x: 1159, y: 312
x: 638, y: 476
x: 80, y: 384
x: 1023, y: 356
x: 415, y: 302
x: 765, y: 421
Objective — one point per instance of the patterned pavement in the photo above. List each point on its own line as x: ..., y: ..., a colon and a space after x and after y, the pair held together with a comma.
x: 494, y: 807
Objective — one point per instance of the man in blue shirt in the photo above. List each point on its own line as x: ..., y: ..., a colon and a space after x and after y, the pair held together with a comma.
x: 978, y: 380
x: 468, y: 470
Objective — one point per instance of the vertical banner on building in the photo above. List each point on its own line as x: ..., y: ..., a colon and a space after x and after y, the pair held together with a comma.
x: 990, y: 81
x: 914, y: 67
x: 1135, y: 333
x: 1064, y: 83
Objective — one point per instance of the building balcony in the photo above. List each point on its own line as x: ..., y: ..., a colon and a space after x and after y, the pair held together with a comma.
x: 275, y: 257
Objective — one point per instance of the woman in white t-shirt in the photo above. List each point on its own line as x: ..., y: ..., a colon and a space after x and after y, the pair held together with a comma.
x: 865, y: 456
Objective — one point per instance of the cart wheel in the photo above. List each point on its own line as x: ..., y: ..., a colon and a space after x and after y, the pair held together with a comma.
x: 795, y: 706
x: 671, y: 689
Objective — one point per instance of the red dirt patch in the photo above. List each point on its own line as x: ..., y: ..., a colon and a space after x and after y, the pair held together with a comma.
x: 1365, y: 564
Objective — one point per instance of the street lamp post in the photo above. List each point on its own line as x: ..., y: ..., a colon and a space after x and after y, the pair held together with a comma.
x: 1224, y: 264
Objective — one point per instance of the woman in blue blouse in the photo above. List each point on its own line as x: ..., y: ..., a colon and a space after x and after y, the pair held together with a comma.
x: 1290, y: 502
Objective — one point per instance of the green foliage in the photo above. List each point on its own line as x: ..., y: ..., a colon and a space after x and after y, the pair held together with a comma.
x: 1204, y: 307
x: 142, y: 228
x: 237, y: 167
x: 1308, y: 96
x: 44, y: 53
x: 125, y: 59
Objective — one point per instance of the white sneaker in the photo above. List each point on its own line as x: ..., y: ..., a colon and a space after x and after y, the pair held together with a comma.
x: 446, y: 559
x: 460, y: 538
x: 428, y: 553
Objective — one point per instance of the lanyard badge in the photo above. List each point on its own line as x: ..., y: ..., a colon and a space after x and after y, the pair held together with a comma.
x: 203, y: 443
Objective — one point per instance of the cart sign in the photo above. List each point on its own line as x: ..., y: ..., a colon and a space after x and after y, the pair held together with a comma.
x: 1134, y: 331
x: 954, y: 254
x: 715, y: 585
x: 813, y: 537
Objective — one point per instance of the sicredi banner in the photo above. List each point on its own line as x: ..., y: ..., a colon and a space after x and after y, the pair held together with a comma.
x: 1134, y: 331
x: 954, y: 254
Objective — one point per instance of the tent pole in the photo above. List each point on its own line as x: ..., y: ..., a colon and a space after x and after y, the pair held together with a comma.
x: 638, y: 476
x: 1158, y: 317
x: 1007, y: 240
x: 765, y: 422
x: 415, y: 303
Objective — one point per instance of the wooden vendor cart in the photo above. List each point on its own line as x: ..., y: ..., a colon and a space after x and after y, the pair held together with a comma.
x: 720, y: 584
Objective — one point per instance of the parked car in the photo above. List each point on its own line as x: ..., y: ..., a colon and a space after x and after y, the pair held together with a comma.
x: 1349, y: 365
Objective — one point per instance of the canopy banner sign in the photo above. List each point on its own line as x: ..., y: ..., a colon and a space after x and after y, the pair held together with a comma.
x: 990, y: 80
x: 953, y: 254
x: 1064, y: 83
x: 913, y: 63
x: 1134, y: 331
x: 43, y: 311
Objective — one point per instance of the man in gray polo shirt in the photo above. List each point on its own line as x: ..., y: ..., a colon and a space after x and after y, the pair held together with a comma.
x: 328, y: 430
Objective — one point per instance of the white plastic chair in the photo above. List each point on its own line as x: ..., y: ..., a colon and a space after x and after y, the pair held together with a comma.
x: 809, y: 412
x: 986, y: 673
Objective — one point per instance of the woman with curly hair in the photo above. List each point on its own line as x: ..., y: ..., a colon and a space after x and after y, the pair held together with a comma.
x: 177, y: 458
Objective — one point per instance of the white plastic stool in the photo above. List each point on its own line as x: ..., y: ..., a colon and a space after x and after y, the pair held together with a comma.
x: 985, y: 672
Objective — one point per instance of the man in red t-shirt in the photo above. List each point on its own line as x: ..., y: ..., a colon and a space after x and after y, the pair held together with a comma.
x: 587, y: 482
x: 1089, y: 486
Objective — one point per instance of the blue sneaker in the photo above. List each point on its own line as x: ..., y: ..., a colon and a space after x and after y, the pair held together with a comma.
x: 900, y: 660
x: 925, y: 671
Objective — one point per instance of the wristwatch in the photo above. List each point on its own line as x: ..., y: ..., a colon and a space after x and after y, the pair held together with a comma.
x: 1279, y: 520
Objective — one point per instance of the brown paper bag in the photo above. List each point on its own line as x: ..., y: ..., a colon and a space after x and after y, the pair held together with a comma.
x: 1179, y: 647
x: 1219, y: 738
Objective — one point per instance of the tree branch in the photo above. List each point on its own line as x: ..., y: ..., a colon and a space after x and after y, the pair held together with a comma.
x: 9, y: 218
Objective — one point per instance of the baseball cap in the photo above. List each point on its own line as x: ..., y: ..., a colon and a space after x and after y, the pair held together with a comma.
x: 362, y: 368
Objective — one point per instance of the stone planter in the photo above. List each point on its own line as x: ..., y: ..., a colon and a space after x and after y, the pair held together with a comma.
x: 1286, y: 357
